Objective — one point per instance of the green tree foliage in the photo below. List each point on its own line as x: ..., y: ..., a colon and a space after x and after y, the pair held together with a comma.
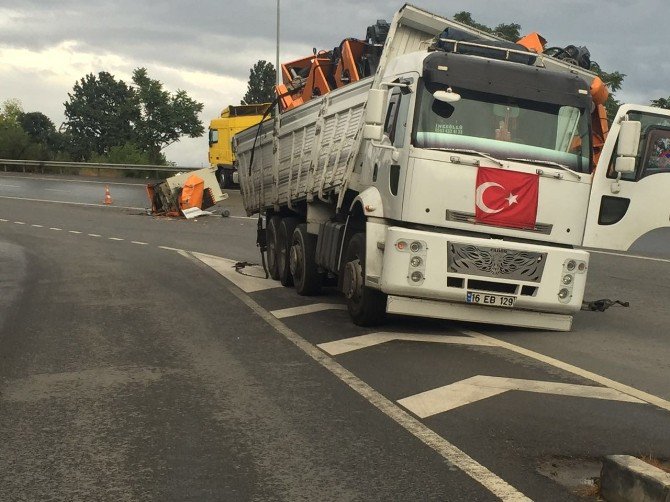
x: 260, y: 88
x: 100, y: 113
x: 661, y: 103
x: 40, y: 128
x: 511, y: 32
x: 103, y: 113
x: 14, y: 142
x: 163, y: 117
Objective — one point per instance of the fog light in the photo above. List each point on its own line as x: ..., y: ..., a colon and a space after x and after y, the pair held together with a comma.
x: 563, y: 294
x: 571, y: 265
x: 582, y: 267
x: 415, y: 247
x: 416, y: 276
x: 567, y: 279
x: 401, y: 245
x: 415, y: 261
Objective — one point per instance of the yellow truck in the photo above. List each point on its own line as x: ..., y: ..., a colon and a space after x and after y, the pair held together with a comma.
x: 232, y: 120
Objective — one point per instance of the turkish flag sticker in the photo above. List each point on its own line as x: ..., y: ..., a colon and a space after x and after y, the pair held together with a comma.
x: 506, y: 198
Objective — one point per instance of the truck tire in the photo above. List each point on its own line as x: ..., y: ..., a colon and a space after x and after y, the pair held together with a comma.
x: 366, y: 306
x: 227, y: 178
x: 272, y: 235
x: 306, y: 276
x: 284, y: 240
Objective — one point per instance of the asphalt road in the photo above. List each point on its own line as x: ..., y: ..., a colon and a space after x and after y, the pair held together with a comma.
x: 135, y: 364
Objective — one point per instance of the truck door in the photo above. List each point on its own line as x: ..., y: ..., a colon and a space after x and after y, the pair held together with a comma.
x: 391, y: 156
x: 630, y: 194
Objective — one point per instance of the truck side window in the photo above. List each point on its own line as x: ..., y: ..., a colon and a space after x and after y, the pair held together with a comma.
x: 392, y: 115
x: 213, y: 136
x: 396, y: 117
x: 656, y: 154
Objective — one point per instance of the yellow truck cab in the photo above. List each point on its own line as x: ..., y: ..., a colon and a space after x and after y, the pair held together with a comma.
x: 232, y: 120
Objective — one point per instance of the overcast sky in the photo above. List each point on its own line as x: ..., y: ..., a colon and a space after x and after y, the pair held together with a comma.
x: 207, y: 47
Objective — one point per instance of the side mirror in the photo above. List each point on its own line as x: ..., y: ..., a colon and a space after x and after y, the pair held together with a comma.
x: 629, y: 138
x: 374, y: 111
x: 375, y: 132
x: 624, y: 165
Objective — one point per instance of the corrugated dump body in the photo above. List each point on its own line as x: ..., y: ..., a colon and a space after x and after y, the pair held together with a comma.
x: 317, y: 141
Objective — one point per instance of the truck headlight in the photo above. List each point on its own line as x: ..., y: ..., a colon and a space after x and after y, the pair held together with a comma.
x: 416, y: 276
x: 415, y: 261
x: 567, y: 279
x: 415, y: 247
x: 563, y: 293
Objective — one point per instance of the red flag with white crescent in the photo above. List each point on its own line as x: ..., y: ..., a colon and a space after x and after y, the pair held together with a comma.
x: 506, y: 198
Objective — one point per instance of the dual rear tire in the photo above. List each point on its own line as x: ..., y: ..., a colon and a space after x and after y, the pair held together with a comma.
x: 291, y: 252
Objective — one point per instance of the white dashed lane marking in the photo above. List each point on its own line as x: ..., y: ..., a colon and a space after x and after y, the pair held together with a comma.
x: 36, y: 226
x: 74, y: 231
x: 55, y: 228
x: 140, y: 243
x: 115, y: 239
x: 307, y: 309
x: 20, y: 222
x: 94, y: 235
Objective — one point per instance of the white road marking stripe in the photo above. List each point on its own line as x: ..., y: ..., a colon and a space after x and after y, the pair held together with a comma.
x: 20, y: 222
x: 2, y: 219
x: 56, y: 190
x: 170, y: 249
x: 449, y: 397
x: 306, y: 309
x: 140, y: 243
x: 94, y: 235
x: 115, y: 239
x: 338, y: 347
x: 244, y: 217
x: 9, y: 186
x: 638, y: 257
x: 74, y: 231
x: 251, y: 283
x: 55, y: 228
x: 71, y: 203
x: 37, y: 226
x: 613, y: 384
x: 448, y: 451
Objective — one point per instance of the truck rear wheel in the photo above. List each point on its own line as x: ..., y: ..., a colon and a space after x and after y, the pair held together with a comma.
x: 366, y: 306
x: 284, y: 240
x: 272, y: 235
x: 306, y: 277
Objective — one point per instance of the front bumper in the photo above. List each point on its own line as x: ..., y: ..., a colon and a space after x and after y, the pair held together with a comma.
x: 426, y: 268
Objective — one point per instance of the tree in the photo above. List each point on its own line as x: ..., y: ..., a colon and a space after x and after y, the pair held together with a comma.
x: 163, y: 117
x: 39, y: 127
x: 260, y: 88
x: 101, y: 113
x: 11, y: 111
x: 661, y: 103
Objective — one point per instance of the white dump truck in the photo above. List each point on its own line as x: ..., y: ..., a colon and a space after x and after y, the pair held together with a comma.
x: 459, y: 180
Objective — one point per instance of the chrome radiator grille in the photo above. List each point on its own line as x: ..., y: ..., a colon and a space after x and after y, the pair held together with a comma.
x: 495, y: 262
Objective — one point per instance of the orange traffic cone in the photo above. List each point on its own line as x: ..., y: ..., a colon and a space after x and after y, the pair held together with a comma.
x: 108, y: 196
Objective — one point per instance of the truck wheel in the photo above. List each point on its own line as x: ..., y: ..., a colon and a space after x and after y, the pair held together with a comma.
x: 271, y: 236
x: 227, y: 178
x: 306, y: 277
x: 284, y: 239
x: 366, y: 306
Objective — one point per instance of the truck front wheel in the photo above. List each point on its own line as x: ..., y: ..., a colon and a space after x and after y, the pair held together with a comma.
x: 366, y: 306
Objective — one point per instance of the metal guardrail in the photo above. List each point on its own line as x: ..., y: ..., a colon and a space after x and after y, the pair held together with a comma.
x: 42, y: 164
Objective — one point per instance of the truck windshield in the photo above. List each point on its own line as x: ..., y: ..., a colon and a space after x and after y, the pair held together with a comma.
x: 504, y: 127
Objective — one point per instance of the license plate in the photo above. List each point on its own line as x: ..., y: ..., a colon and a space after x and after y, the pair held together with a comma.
x: 490, y: 300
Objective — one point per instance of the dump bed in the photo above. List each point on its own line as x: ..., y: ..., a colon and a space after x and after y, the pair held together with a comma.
x: 316, y: 143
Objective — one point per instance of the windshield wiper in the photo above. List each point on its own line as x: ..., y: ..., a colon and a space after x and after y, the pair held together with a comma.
x: 549, y: 163
x: 471, y: 152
